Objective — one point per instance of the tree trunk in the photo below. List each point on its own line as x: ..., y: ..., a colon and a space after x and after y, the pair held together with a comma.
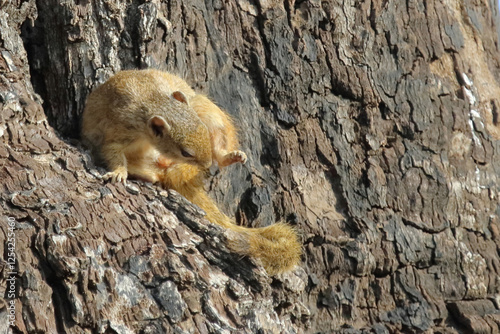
x: 372, y: 126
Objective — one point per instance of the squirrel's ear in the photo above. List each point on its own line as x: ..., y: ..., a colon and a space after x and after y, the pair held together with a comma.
x: 159, y: 126
x: 179, y: 96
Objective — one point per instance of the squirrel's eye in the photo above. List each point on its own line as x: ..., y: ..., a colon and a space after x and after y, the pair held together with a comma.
x: 186, y: 154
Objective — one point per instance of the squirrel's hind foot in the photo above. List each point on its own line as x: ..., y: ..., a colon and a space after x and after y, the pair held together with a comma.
x: 233, y: 157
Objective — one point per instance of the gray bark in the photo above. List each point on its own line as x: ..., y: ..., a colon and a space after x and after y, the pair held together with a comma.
x: 371, y: 126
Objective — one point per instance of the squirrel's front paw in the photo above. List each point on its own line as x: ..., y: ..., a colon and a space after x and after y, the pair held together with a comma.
x: 118, y: 175
x: 234, y: 157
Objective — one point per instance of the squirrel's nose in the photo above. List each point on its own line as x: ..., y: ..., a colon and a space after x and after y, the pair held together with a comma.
x: 207, y: 164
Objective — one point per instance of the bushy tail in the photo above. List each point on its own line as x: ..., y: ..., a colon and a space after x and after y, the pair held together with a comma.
x: 277, y: 245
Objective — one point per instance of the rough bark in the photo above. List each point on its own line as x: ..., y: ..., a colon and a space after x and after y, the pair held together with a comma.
x: 372, y: 126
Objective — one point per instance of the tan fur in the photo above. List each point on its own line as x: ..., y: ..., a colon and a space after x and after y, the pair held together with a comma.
x: 223, y: 134
x: 117, y: 124
x: 222, y: 131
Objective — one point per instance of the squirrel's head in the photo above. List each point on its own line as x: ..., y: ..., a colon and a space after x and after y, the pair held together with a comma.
x: 180, y: 134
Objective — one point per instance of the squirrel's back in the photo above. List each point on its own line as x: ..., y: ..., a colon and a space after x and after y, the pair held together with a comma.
x: 132, y: 97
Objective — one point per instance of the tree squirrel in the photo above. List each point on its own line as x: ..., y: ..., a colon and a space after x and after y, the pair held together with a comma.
x: 151, y: 125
